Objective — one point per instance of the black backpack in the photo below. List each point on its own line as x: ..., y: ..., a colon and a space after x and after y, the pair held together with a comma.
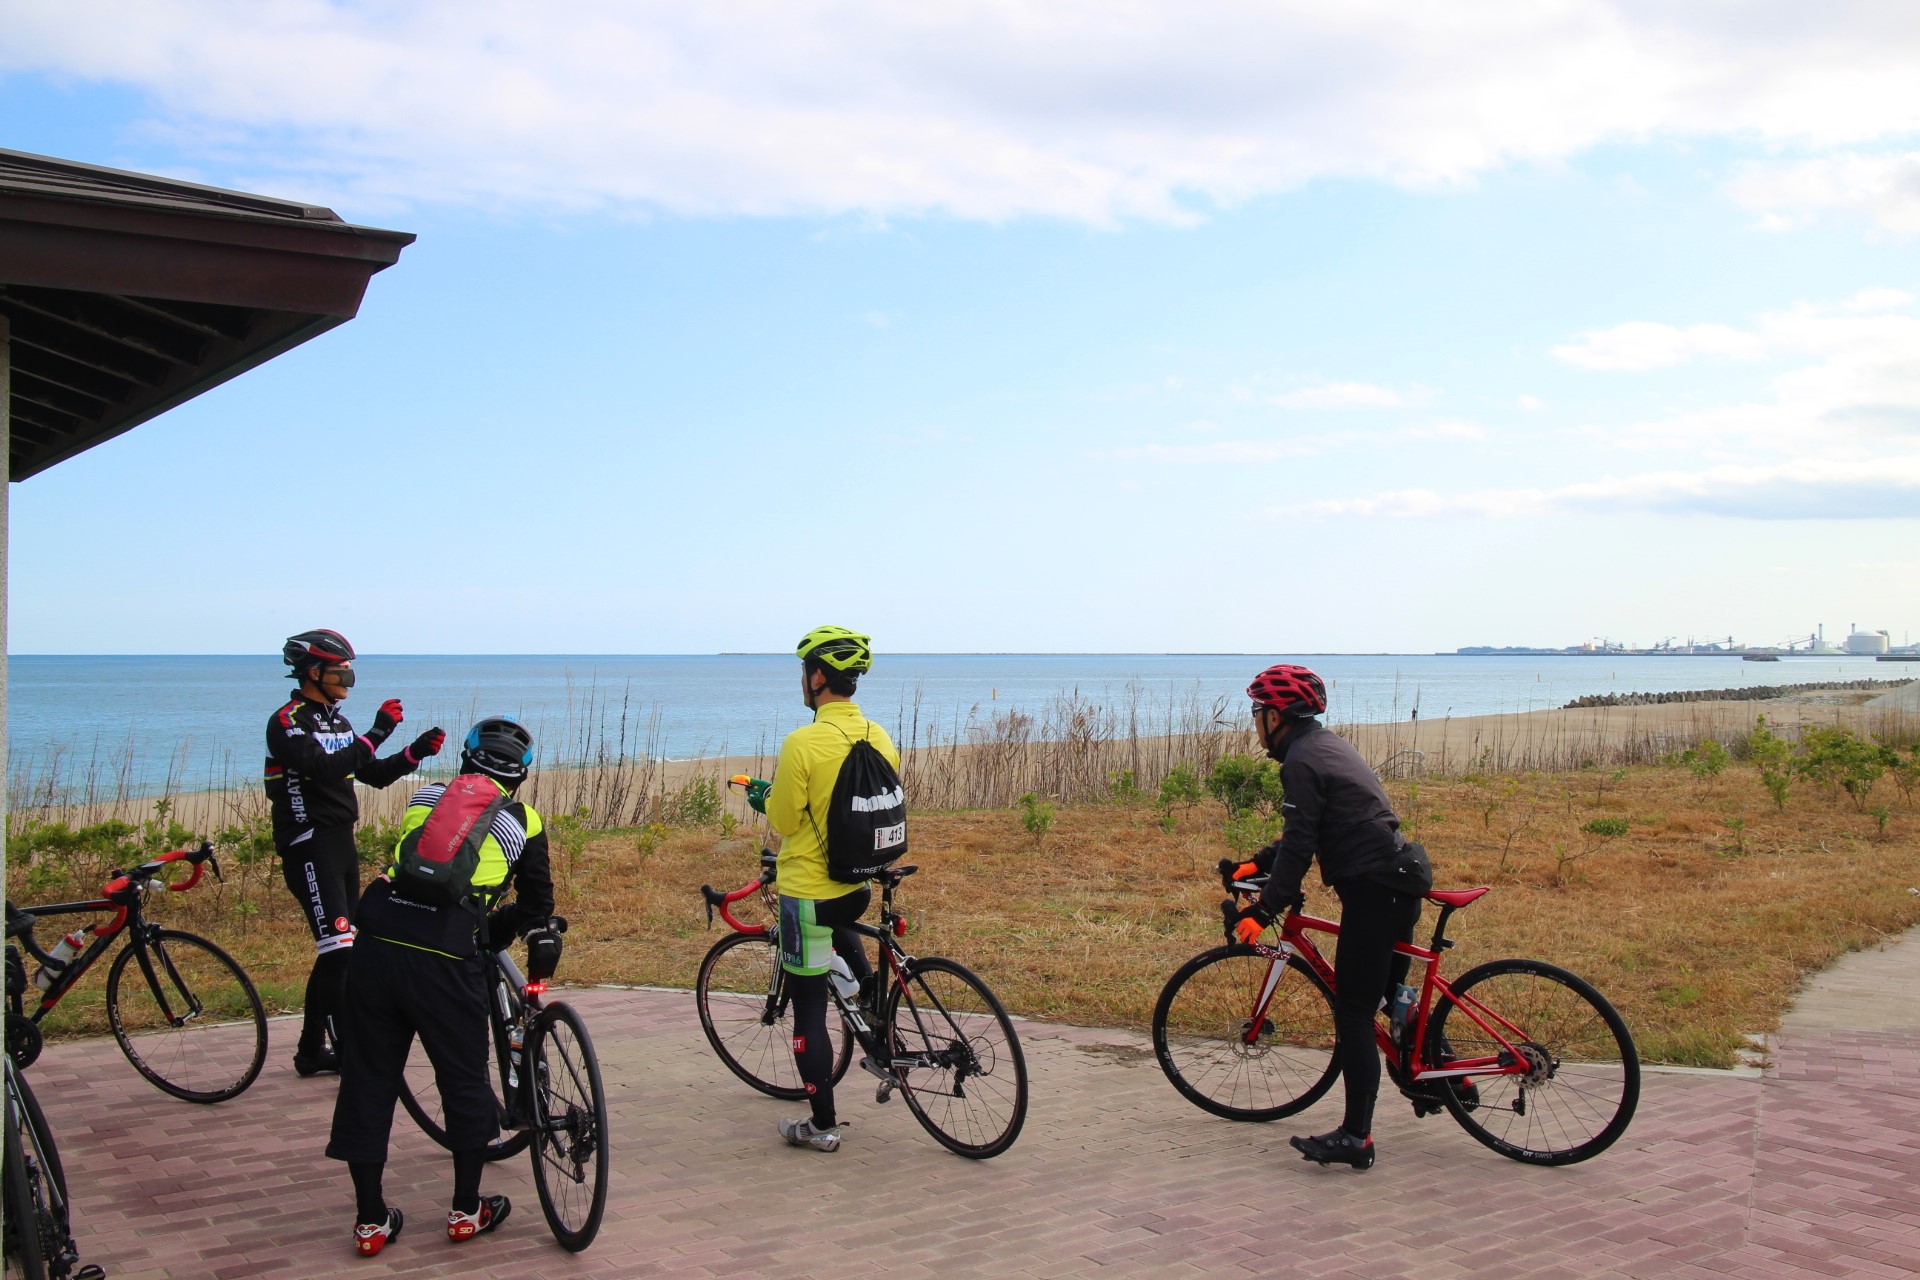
x: 867, y: 819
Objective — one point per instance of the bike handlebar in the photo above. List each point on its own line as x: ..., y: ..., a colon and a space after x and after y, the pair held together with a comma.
x: 123, y: 881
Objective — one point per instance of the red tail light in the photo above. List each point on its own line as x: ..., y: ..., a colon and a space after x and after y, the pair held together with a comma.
x: 535, y: 988
x: 899, y: 926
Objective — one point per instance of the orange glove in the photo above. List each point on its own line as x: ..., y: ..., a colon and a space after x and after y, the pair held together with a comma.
x: 1252, y: 923
x: 1246, y: 870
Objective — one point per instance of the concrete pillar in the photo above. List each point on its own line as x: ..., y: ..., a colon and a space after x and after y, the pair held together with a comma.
x: 6, y: 444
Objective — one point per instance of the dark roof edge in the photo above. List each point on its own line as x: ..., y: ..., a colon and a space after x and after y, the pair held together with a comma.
x: 98, y: 183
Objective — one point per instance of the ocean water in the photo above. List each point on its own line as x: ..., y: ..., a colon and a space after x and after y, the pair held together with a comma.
x: 201, y: 721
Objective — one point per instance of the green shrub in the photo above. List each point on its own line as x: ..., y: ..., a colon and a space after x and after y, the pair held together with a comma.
x: 1036, y: 815
x: 696, y: 804
x: 1249, y: 832
x: 1607, y: 828
x: 1180, y: 787
x: 1839, y: 759
x: 1122, y: 789
x: 1772, y: 755
x: 1707, y: 760
x: 1245, y: 785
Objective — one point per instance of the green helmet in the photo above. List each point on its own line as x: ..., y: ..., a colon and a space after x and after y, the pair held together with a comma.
x: 838, y: 648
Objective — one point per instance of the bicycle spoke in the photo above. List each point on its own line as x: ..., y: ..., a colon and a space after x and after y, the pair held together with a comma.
x: 1575, y: 1080
x: 187, y: 1017
x: 1201, y: 1036
x: 958, y: 1059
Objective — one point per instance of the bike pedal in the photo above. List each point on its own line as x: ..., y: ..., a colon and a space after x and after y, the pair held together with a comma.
x: 884, y: 1092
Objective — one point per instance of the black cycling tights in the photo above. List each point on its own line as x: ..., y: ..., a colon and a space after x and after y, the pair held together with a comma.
x: 1366, y: 967
x: 812, y: 1046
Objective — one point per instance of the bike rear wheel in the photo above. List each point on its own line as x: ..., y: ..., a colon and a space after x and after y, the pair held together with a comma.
x: 1208, y: 1048
x: 957, y: 1058
x: 187, y: 1016
x: 569, y: 1127
x: 24, y: 1252
x: 1583, y: 1078
x: 420, y: 1095
x: 749, y: 1021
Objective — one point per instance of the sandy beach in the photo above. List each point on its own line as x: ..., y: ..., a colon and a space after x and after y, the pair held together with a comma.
x: 991, y: 774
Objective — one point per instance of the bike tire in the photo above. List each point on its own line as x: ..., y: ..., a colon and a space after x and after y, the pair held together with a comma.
x: 1199, y: 1026
x: 420, y: 1095
x: 1544, y: 1117
x: 946, y: 1028
x: 23, y: 1240
x: 570, y: 1141
x: 733, y: 992
x: 182, y: 971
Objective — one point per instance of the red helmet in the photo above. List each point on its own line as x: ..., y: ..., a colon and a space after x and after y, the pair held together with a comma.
x: 1290, y: 690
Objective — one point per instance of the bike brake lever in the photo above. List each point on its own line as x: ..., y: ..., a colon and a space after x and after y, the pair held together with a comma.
x: 215, y: 864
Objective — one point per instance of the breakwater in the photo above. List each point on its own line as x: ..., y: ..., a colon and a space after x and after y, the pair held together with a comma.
x: 1746, y: 693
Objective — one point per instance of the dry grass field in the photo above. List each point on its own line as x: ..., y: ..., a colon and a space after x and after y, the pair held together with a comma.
x: 1698, y: 919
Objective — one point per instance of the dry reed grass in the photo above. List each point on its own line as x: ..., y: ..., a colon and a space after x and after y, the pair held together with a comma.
x: 1699, y: 924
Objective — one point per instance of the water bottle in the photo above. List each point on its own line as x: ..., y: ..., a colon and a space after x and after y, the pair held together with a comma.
x: 64, y: 950
x: 516, y: 1040
x: 843, y: 980
x: 1404, y: 998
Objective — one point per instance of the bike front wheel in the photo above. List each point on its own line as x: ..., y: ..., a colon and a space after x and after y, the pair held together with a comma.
x: 1208, y: 1046
x: 187, y: 1016
x: 1581, y: 1077
x: 748, y: 1019
x: 24, y: 1234
x: 957, y: 1058
x: 569, y: 1127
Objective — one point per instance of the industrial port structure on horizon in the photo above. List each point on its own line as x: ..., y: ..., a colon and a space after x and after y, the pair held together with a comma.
x: 1858, y: 644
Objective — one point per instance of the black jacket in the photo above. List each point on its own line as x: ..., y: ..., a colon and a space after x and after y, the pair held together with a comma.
x: 313, y: 759
x: 1335, y: 807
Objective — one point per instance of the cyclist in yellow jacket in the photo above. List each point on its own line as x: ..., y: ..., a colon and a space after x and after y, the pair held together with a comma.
x: 814, y: 907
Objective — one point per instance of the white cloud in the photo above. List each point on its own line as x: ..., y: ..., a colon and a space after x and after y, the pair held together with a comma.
x: 991, y: 109
x: 878, y: 319
x: 1443, y: 429
x: 1532, y: 404
x: 1862, y: 385
x: 1884, y: 188
x: 1799, y: 489
x: 1340, y: 395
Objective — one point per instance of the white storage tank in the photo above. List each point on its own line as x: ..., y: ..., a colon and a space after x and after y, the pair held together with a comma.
x: 1868, y: 642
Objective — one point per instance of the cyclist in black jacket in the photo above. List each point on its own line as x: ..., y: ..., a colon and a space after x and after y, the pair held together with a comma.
x: 313, y: 759
x: 1336, y: 808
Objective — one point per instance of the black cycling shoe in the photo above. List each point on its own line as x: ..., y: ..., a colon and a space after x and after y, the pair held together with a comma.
x: 1338, y: 1147
x: 313, y: 1064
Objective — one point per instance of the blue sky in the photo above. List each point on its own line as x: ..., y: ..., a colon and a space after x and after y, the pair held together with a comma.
x: 982, y: 327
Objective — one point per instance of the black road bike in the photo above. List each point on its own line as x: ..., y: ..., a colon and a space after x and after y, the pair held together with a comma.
x: 183, y: 1011
x: 931, y: 1030
x: 549, y: 1099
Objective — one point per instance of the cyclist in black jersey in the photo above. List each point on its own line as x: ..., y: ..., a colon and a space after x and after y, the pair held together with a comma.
x: 1337, y: 811
x: 418, y: 972
x: 313, y: 759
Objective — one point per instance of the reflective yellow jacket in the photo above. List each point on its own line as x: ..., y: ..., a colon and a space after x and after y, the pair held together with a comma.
x: 810, y: 761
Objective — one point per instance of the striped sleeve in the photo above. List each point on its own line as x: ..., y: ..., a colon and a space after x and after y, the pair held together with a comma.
x: 511, y: 835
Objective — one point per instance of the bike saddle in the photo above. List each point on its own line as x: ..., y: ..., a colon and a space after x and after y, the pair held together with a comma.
x: 1455, y: 897
x: 894, y: 875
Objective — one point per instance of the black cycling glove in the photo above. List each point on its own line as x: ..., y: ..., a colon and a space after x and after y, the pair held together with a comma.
x: 543, y: 949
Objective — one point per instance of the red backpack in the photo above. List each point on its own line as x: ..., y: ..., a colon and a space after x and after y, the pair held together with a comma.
x: 436, y: 861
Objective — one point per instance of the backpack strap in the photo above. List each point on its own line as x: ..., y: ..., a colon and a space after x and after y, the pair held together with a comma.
x: 811, y: 820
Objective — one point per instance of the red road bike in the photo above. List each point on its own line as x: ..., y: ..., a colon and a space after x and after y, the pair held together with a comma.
x: 1528, y: 1058
x: 185, y: 1013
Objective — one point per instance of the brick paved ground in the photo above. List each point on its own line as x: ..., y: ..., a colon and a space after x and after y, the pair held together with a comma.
x: 1809, y: 1170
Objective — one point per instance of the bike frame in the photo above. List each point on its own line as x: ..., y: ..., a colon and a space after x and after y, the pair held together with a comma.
x: 894, y: 957
x: 509, y: 983
x: 123, y: 895
x: 1415, y: 1068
